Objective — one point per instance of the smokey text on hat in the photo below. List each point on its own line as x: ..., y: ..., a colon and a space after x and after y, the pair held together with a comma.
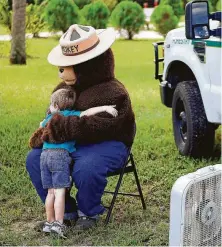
x: 70, y: 50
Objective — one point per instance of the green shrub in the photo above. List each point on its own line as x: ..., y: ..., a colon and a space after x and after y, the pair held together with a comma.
x: 211, y: 8
x: 96, y: 14
x: 82, y: 3
x: 214, y: 4
x: 128, y: 15
x: 177, y: 6
x: 5, y: 14
x: 40, y: 1
x: 164, y: 19
x: 60, y: 14
x: 119, y: 1
x: 218, y: 6
x: 111, y: 4
x: 34, y: 19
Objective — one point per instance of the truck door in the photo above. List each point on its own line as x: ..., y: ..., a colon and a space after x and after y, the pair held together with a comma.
x: 213, y: 62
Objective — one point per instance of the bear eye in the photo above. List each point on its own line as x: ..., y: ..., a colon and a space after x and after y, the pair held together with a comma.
x: 61, y: 70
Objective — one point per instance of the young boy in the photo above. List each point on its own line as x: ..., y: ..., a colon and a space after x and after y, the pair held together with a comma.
x: 55, y: 160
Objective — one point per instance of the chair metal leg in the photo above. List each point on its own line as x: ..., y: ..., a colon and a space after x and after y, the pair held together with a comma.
x: 116, y: 192
x: 137, y: 181
x: 114, y: 197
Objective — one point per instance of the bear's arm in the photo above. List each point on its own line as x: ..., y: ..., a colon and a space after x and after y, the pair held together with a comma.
x: 35, y: 140
x: 95, y: 128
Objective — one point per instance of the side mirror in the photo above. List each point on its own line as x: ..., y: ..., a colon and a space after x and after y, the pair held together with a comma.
x: 197, y: 20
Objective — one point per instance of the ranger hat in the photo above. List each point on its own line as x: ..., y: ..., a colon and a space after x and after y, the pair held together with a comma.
x: 80, y: 44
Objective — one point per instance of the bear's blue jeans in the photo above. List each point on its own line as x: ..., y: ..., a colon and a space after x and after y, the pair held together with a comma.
x: 91, y: 165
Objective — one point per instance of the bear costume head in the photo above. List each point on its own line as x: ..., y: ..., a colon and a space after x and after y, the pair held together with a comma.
x: 89, y: 73
x: 84, y: 56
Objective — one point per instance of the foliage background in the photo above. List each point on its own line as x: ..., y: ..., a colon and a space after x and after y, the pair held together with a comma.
x: 96, y: 14
x: 164, y: 19
x: 128, y: 15
x: 60, y: 15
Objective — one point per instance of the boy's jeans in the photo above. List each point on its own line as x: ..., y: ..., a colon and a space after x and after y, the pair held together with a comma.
x: 91, y: 165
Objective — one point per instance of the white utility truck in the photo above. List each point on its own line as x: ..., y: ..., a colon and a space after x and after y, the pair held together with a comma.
x: 191, y: 79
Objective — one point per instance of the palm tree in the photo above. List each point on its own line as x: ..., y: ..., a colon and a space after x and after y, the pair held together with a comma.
x: 18, y: 54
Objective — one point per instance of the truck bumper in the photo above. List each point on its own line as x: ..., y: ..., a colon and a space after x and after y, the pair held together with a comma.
x: 166, y: 93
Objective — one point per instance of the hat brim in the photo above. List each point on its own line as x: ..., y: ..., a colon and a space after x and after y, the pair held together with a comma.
x: 106, y: 37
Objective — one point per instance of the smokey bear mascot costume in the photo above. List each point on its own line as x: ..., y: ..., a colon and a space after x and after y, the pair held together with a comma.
x: 86, y: 64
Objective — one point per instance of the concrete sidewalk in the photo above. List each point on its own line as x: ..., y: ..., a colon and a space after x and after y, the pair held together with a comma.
x: 144, y: 34
x: 121, y: 34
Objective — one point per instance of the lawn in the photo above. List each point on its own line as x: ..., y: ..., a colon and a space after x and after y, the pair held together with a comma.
x: 24, y: 96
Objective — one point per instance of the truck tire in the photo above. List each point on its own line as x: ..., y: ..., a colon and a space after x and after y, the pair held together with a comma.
x: 194, y: 135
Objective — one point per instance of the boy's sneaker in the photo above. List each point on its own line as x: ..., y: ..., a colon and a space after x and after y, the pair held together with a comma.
x: 59, y: 229
x: 47, y: 227
x: 38, y: 226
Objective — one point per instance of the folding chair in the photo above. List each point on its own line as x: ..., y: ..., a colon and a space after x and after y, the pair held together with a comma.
x: 127, y: 168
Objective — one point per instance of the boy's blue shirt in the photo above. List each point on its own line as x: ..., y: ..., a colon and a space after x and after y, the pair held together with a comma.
x: 69, y: 146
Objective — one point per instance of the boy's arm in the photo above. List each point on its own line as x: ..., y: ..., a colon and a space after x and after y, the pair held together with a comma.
x: 45, y: 121
x: 41, y: 123
x: 95, y: 110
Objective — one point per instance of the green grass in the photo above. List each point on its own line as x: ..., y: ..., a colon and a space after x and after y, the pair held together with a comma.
x: 24, y: 96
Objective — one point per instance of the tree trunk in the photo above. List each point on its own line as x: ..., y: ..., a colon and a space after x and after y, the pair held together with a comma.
x: 130, y: 35
x: 18, y: 54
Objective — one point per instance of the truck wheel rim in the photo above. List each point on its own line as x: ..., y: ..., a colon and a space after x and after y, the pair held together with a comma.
x: 181, y: 120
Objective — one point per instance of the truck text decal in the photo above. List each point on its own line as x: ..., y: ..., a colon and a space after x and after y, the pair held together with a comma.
x: 181, y: 41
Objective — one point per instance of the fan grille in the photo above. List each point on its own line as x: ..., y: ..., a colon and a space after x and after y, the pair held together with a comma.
x: 202, y: 217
